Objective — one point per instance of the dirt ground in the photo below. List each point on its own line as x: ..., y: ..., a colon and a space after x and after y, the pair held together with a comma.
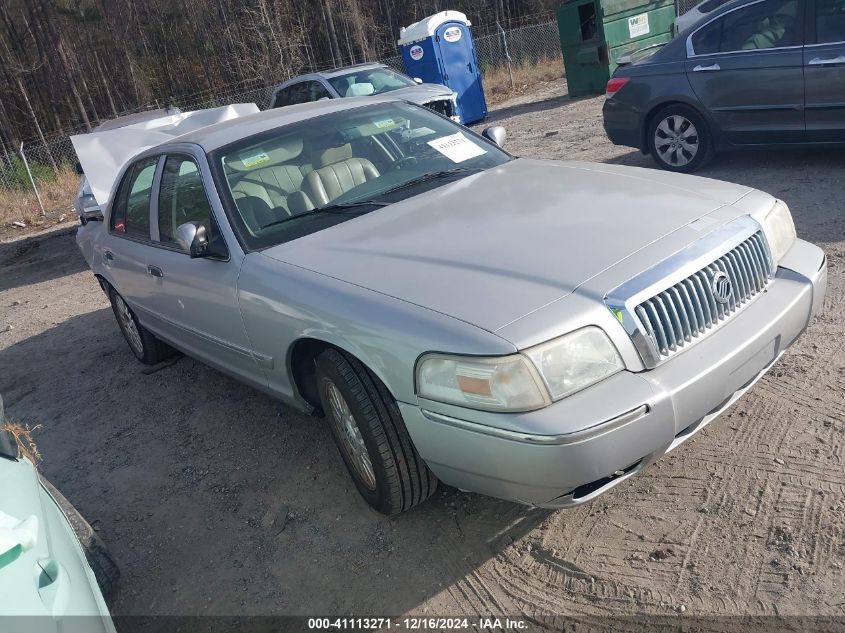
x: 216, y: 499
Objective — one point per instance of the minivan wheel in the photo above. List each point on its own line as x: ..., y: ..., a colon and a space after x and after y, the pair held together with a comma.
x: 369, y: 431
x: 143, y: 343
x: 679, y: 140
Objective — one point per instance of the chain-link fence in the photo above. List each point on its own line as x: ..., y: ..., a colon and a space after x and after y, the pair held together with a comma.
x: 496, y: 48
x: 531, y: 43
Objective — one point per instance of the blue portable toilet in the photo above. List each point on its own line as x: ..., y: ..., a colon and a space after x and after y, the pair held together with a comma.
x: 440, y: 50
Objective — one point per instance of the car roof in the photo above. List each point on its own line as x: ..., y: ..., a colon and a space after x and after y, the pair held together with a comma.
x: 328, y: 74
x: 217, y: 135
x: 342, y: 71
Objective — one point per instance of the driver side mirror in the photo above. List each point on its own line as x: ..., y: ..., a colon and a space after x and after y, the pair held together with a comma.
x: 192, y: 238
x: 78, y: 169
x: 417, y: 80
x: 495, y: 133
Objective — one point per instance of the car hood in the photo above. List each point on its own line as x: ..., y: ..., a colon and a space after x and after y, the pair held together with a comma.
x: 422, y: 93
x: 499, y: 244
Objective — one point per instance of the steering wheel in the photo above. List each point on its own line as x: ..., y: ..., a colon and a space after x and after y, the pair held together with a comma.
x: 404, y: 163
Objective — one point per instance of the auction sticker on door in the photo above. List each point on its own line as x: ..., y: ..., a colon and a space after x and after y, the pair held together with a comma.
x: 638, y: 25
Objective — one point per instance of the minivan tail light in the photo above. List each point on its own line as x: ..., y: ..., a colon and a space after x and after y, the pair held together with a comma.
x: 614, y: 85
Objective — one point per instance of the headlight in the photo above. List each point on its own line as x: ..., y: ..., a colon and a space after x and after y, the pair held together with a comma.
x: 779, y: 230
x: 520, y: 382
x: 575, y: 361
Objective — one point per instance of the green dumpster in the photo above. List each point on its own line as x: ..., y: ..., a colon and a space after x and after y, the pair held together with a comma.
x: 594, y: 34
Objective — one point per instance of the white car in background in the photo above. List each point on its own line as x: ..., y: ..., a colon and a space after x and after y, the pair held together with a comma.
x: 365, y: 80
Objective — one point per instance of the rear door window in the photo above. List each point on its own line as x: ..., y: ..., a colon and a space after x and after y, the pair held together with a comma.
x: 285, y: 96
x: 317, y: 91
x: 830, y: 21
x: 763, y: 25
x: 131, y: 209
x: 297, y: 93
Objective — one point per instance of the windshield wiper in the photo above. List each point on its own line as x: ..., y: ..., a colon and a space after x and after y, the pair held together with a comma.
x: 435, y: 175
x: 339, y: 207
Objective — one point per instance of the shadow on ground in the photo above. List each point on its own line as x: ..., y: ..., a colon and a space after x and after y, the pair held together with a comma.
x: 189, y: 475
x: 809, y: 180
x: 506, y: 112
x: 41, y: 258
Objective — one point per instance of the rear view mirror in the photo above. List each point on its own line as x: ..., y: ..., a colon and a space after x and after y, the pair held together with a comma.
x: 496, y: 133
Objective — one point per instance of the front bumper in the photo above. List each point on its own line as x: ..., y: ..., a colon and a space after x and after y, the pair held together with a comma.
x: 629, y: 420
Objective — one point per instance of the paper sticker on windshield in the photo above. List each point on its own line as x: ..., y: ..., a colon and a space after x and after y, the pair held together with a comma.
x: 457, y: 147
x: 255, y: 159
x: 638, y: 25
x: 384, y: 124
x: 452, y: 34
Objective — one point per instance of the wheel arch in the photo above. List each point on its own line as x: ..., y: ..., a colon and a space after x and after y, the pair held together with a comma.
x: 104, y: 283
x: 301, y: 365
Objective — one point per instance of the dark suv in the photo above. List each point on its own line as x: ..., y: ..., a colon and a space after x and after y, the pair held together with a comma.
x: 748, y: 75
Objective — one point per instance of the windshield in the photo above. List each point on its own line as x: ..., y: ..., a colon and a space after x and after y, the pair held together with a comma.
x: 372, y: 81
x: 307, y: 176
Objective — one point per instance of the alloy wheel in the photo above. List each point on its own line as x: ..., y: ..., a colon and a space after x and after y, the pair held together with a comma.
x: 350, y: 436
x: 676, y: 140
x: 127, y: 321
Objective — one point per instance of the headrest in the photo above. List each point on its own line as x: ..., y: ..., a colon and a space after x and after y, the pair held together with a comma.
x: 360, y: 90
x: 273, y: 152
x: 330, y: 155
x: 255, y: 211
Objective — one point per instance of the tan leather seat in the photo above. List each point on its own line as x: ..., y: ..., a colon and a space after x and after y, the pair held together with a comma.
x: 335, y: 172
x: 263, y: 177
x: 272, y: 184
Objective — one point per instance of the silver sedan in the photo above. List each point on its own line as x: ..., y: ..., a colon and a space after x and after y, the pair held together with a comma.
x: 537, y: 331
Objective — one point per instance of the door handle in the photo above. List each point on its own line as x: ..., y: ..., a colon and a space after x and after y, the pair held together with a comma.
x: 109, y: 256
x: 155, y: 271
x: 53, y: 584
x: 818, y: 61
x: 706, y: 68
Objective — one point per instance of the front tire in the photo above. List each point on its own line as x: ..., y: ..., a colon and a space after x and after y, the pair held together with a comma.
x: 679, y: 139
x: 369, y: 431
x: 143, y: 343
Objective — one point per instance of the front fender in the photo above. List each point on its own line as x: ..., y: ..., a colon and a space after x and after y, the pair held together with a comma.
x: 282, y: 304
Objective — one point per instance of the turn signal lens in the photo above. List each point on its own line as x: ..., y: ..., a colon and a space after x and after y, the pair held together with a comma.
x: 507, y: 383
x: 615, y: 85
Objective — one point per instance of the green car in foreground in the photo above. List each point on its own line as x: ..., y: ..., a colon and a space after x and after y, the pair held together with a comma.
x: 50, y: 558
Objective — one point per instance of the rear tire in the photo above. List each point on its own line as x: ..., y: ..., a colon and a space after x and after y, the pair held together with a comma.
x: 679, y: 139
x: 369, y: 431
x: 96, y: 553
x: 143, y: 343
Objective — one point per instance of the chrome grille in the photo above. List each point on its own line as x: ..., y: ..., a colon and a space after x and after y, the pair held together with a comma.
x: 688, y: 310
